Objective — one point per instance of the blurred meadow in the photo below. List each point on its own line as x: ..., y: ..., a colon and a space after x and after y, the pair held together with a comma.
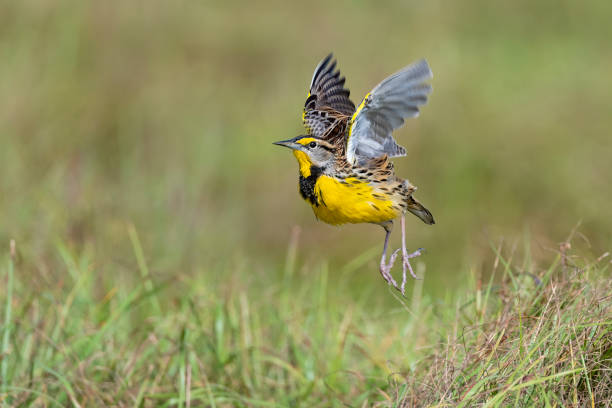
x: 153, y: 216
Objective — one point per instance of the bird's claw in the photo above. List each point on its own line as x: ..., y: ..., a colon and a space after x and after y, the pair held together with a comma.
x: 406, y: 263
x: 385, y: 268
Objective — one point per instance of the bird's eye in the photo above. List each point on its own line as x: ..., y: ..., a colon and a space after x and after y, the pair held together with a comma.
x: 312, y: 145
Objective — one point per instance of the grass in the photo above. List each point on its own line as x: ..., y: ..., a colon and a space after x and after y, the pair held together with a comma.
x: 544, y: 339
x: 525, y: 336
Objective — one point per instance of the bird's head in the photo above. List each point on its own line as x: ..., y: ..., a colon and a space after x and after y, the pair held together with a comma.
x: 310, y: 151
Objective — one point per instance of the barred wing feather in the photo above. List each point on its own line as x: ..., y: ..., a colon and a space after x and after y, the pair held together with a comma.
x: 328, y: 100
x: 383, y: 110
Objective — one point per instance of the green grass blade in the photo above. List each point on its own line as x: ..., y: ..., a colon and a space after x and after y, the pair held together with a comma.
x: 4, y: 352
x: 142, y: 266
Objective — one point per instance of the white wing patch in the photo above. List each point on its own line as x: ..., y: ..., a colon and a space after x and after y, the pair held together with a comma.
x: 383, y: 110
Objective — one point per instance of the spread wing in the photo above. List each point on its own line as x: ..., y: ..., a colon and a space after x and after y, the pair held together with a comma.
x: 328, y: 101
x: 383, y: 110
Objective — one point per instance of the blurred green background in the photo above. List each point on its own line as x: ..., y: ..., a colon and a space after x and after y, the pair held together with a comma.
x: 162, y: 114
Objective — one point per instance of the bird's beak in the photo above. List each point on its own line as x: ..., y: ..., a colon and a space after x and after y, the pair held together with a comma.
x: 290, y: 143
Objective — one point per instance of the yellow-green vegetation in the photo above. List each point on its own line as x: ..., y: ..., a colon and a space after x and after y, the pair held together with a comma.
x: 526, y: 336
x: 151, y: 213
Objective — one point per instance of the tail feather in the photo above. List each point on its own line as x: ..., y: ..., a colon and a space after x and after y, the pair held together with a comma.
x: 417, y: 209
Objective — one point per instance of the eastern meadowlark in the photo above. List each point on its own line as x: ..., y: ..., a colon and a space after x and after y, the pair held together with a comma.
x: 344, y: 167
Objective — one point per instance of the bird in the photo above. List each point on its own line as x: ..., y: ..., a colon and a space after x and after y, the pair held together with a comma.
x: 345, y: 171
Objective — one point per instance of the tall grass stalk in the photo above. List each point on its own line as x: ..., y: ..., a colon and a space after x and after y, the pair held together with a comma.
x: 5, y: 350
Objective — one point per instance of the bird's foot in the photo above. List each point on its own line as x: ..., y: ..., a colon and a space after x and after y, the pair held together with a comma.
x: 406, y: 266
x: 385, y: 269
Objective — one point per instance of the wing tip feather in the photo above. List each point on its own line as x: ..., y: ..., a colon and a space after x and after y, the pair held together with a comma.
x: 425, y: 64
x: 321, y: 66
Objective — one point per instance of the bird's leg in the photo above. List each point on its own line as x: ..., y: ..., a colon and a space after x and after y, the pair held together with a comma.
x: 406, y: 256
x: 384, y: 267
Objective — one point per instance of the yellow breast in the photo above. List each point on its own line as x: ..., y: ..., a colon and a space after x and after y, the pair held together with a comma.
x: 351, y: 201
